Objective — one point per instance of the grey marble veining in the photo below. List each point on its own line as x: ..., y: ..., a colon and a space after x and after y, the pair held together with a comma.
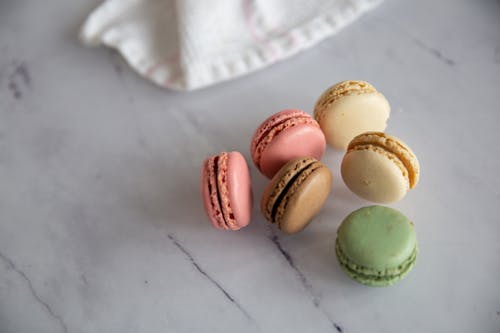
x: 101, y: 226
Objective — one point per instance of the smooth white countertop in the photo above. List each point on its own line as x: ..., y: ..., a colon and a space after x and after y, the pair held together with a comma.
x: 101, y: 224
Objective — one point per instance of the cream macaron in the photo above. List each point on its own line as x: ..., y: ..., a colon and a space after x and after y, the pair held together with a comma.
x: 379, y: 167
x: 349, y: 108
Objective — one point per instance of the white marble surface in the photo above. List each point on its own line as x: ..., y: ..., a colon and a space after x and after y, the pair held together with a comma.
x: 101, y: 226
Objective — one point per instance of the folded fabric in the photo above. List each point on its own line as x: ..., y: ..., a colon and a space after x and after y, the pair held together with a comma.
x: 189, y: 44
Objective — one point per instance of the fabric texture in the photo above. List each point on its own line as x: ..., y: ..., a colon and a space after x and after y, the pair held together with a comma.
x: 190, y: 44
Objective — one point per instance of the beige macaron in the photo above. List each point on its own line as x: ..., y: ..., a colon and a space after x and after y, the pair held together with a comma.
x: 350, y: 108
x: 379, y: 167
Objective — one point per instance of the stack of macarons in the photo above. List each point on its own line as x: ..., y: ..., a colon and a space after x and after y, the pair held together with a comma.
x: 375, y: 245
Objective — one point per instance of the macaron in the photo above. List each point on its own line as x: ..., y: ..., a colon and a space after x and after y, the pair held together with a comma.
x: 296, y: 194
x: 226, y: 190
x: 349, y: 108
x: 379, y: 167
x: 376, y: 245
x: 283, y: 136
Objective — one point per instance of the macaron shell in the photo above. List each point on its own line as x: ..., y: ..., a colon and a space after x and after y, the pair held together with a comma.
x: 278, y: 128
x: 378, y: 238
x: 280, y: 205
x: 280, y: 181
x: 239, y: 190
x: 297, y: 141
x: 351, y: 115
x: 209, y: 194
x: 339, y: 90
x: 373, y: 277
x: 271, y: 122
x: 306, y: 201
x: 374, y: 176
x: 395, y: 146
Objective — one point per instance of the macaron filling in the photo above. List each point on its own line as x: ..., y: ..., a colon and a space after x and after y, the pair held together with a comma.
x: 371, y: 276
x: 222, y: 191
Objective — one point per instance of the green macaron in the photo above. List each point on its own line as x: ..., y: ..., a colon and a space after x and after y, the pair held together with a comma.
x: 376, y: 245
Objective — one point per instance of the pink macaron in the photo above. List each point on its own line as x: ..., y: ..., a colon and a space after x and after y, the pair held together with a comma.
x: 226, y: 190
x: 283, y: 136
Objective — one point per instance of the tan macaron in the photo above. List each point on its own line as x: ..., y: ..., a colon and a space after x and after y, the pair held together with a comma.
x: 296, y: 194
x: 350, y: 108
x: 379, y: 167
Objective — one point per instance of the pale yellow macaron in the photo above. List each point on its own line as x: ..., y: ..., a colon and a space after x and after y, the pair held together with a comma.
x: 379, y: 167
x: 350, y: 108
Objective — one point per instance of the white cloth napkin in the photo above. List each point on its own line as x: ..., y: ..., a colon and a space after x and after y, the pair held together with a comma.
x: 189, y: 44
